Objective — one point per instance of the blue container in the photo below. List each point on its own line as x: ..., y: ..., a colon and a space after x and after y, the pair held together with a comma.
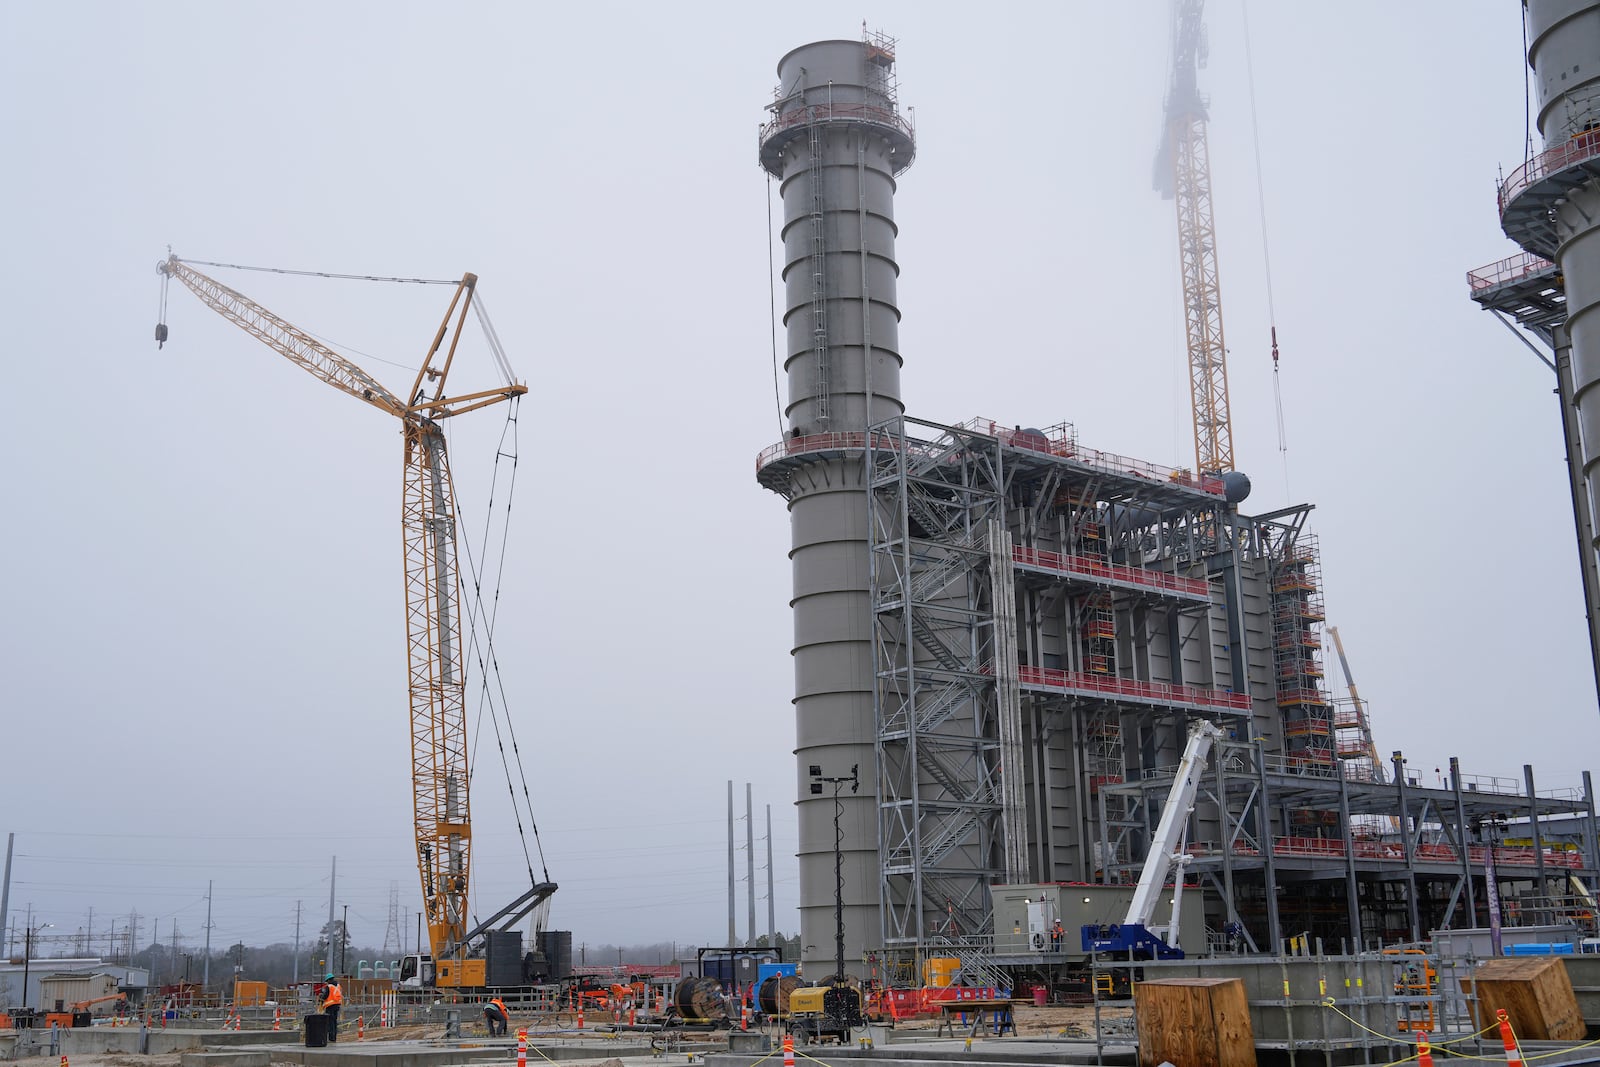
x: 767, y: 970
x: 1541, y: 948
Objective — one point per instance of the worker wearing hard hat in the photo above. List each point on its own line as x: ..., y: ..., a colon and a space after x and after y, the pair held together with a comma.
x: 332, y: 999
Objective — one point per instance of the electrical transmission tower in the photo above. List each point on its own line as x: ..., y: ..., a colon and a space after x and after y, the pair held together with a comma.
x: 392, y: 944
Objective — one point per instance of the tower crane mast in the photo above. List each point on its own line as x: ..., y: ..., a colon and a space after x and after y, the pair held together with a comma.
x: 1183, y: 175
x: 436, y: 678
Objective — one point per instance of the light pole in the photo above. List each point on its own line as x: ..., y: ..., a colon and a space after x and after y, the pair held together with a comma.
x: 28, y: 934
x: 817, y: 781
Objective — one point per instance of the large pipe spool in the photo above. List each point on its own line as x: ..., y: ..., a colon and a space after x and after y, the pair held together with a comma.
x: 699, y: 1000
x: 772, y: 995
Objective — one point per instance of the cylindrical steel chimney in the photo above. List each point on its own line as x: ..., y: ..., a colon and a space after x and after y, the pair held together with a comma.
x: 836, y: 141
x: 1564, y: 51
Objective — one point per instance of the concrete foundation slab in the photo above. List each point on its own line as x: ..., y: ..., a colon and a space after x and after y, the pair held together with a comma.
x: 240, y: 1058
x: 418, y: 1054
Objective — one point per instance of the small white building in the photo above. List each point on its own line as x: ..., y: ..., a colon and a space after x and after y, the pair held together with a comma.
x: 129, y: 980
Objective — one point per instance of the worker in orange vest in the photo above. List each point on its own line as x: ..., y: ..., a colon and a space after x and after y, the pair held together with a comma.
x: 495, y: 1014
x: 332, y: 999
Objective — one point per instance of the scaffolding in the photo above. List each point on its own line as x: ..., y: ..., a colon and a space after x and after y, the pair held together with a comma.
x: 1297, y: 616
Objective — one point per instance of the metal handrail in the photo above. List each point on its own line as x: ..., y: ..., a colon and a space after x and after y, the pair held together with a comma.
x: 1580, y: 149
x: 1127, y: 687
x: 1498, y: 273
x: 1060, y: 441
x: 837, y: 113
x: 1093, y: 568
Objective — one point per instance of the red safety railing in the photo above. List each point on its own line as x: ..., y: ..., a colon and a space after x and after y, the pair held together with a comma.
x: 838, y: 113
x: 1060, y: 441
x: 822, y: 442
x: 1585, y: 146
x: 1153, y: 692
x: 1093, y: 568
x: 1507, y: 270
x: 1428, y: 853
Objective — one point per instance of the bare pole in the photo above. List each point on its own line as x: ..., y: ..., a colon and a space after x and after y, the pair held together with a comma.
x: 205, y: 966
x: 333, y: 881
x: 733, y: 934
x: 750, y: 865
x: 772, y: 907
x: 5, y: 886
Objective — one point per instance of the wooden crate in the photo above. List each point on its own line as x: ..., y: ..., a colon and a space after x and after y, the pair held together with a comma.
x: 1536, y: 995
x: 1196, y: 1022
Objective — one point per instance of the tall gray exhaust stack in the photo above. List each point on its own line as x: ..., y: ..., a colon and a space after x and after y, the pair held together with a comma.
x: 1551, y: 207
x: 835, y: 142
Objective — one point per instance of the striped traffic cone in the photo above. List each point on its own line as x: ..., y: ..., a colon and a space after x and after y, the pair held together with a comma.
x: 788, y: 1050
x: 1513, y: 1055
x: 361, y: 1027
x: 277, y: 1018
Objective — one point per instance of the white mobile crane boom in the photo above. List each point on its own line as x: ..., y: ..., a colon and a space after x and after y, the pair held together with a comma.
x: 1134, y: 935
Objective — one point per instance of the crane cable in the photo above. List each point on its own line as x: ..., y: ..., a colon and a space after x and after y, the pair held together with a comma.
x: 321, y: 273
x: 1266, y: 251
x: 483, y: 651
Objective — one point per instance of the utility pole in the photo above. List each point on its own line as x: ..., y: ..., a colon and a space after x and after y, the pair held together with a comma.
x: 205, y: 966
x: 333, y: 880
x: 733, y: 933
x: 155, y: 957
x: 750, y: 865
x: 772, y: 907
x: 88, y: 935
x: 296, y: 979
x: 344, y: 936
x: 5, y: 889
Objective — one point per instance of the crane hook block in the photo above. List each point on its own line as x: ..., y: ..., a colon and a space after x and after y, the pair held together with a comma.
x: 161, y: 334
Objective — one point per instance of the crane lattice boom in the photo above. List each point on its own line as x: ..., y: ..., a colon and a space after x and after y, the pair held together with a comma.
x: 436, y: 682
x: 1183, y: 173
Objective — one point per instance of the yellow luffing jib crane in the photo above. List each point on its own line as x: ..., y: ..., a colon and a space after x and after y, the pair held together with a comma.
x: 436, y: 675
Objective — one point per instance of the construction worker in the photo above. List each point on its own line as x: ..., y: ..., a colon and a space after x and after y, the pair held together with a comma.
x: 332, y: 998
x: 495, y: 1014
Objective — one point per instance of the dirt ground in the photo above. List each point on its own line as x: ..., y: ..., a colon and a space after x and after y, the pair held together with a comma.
x: 1055, y: 1021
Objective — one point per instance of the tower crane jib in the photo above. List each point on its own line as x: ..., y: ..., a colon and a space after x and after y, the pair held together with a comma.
x: 1183, y: 174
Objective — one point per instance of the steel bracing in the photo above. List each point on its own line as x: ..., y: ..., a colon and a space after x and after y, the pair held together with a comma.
x: 936, y: 529
x: 1276, y: 879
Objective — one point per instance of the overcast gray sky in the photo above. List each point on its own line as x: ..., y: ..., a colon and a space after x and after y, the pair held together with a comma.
x: 204, y: 653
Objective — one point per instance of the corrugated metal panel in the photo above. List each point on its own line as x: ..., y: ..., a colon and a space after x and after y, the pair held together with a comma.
x: 57, y: 991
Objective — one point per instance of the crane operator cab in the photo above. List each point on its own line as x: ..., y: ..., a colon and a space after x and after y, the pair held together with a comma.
x: 416, y: 972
